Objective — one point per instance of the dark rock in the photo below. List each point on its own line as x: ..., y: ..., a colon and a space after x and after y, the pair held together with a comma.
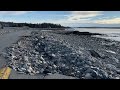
x: 46, y: 71
x: 48, y: 56
x: 118, y: 71
x: 55, y: 62
x: 94, y: 54
x: 82, y: 33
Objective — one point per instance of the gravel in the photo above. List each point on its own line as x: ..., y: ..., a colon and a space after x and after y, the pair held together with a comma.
x: 80, y: 56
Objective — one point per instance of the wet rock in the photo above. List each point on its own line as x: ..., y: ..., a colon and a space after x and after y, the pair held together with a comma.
x: 94, y: 54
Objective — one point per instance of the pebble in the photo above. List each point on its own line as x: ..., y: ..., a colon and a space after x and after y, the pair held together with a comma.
x: 53, y: 55
x: 42, y: 55
x: 26, y: 58
x: 42, y: 58
x: 55, y: 66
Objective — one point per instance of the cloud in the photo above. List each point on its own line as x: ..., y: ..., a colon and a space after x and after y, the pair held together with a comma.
x: 79, y: 17
x: 83, y: 15
x: 89, y: 18
x: 108, y: 21
x: 13, y: 12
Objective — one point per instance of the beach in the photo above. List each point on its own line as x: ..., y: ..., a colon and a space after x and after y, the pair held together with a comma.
x: 75, y: 55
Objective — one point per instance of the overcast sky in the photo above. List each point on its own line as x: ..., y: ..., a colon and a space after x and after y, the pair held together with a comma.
x: 66, y: 18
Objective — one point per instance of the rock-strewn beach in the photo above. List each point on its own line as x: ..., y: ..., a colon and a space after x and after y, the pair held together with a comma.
x: 77, y: 55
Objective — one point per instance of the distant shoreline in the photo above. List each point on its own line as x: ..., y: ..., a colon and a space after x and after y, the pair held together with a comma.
x: 100, y: 27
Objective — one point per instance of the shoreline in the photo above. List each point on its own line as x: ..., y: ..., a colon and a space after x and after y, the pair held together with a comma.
x: 98, y: 57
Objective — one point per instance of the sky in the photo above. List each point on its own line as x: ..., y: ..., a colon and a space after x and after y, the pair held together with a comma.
x: 65, y: 18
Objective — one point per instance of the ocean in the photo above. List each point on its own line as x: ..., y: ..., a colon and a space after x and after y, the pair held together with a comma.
x: 109, y: 33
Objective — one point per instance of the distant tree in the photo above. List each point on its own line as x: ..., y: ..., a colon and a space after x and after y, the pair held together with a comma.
x: 38, y: 25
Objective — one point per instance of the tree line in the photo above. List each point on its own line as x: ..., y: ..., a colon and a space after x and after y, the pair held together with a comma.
x: 39, y: 25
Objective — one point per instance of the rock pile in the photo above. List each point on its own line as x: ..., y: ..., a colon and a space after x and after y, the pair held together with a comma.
x: 37, y: 54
